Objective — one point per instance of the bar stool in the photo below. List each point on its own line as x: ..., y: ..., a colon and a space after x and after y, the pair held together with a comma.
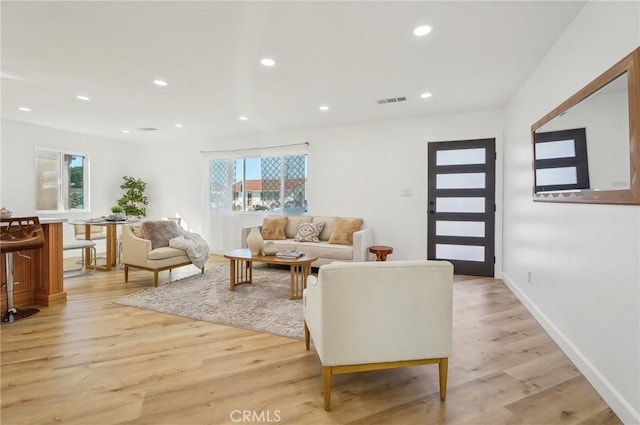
x: 18, y: 234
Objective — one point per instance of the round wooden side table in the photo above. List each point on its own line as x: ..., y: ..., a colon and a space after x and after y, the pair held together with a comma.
x: 381, y: 251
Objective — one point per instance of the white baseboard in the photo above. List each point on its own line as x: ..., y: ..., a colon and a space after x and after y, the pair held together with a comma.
x: 608, y: 392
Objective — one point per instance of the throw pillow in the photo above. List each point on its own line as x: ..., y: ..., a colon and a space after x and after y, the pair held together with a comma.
x: 343, y: 230
x: 309, y: 232
x: 273, y: 228
x: 160, y: 232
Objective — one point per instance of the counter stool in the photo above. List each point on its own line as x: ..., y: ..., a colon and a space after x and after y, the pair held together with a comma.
x: 82, y: 245
x: 18, y: 234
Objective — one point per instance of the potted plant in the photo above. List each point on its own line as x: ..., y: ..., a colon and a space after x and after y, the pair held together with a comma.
x: 134, y: 200
x: 118, y: 213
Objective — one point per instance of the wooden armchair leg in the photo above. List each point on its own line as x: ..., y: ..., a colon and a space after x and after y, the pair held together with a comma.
x: 126, y: 273
x: 443, y: 367
x: 326, y: 377
x: 155, y: 278
x: 307, y: 336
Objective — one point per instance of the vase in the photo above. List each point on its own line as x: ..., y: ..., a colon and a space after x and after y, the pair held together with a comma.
x: 255, y: 241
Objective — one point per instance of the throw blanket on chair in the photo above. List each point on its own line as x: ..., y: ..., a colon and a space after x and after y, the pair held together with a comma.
x: 194, y: 245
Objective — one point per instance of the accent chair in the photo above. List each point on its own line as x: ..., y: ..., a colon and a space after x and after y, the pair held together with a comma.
x: 153, y: 254
x: 366, y: 316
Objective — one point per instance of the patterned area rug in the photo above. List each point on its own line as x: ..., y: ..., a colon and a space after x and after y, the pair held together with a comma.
x: 263, y: 306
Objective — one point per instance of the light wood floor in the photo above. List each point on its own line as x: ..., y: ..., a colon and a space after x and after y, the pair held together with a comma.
x: 90, y: 361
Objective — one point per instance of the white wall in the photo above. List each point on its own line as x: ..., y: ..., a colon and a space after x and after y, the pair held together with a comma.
x: 584, y: 259
x: 107, y: 164
x: 353, y: 171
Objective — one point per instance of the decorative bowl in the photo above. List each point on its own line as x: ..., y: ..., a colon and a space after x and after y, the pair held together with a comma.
x: 269, y: 248
x: 6, y: 214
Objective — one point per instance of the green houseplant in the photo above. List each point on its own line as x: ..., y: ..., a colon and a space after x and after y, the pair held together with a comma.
x: 134, y: 200
x: 118, y: 213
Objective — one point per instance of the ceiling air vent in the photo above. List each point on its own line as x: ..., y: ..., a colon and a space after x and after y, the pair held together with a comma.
x: 147, y: 129
x: 392, y: 100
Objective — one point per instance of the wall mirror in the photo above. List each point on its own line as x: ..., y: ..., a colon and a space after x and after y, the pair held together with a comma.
x: 588, y: 148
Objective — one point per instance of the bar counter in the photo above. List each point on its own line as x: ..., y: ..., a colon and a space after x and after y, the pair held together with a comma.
x: 39, y: 279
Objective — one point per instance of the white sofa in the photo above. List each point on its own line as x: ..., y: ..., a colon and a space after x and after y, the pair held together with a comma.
x: 325, y: 251
x: 380, y: 315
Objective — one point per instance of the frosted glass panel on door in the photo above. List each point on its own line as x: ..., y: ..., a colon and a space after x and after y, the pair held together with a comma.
x: 464, y: 205
x: 460, y: 252
x: 460, y: 181
x: 560, y: 175
x: 559, y: 149
x: 461, y: 156
x: 460, y: 228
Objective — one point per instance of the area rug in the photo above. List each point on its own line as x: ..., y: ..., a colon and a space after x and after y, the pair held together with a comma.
x: 263, y: 306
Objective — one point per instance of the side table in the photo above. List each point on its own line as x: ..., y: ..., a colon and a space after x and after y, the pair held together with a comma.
x: 381, y: 251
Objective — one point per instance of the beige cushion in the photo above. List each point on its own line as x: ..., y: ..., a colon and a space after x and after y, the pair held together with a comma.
x: 343, y: 230
x: 291, y: 229
x: 326, y: 250
x: 165, y: 252
x: 273, y: 228
x: 309, y: 232
x: 328, y: 227
x: 160, y: 232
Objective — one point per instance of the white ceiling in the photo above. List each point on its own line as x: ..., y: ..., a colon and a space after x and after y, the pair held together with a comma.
x: 346, y: 55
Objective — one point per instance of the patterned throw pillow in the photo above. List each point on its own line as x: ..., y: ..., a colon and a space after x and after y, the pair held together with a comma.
x: 309, y: 232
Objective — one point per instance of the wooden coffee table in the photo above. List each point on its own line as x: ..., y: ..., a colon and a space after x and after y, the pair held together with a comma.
x: 241, y: 269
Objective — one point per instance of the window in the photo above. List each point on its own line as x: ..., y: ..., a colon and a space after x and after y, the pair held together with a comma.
x: 276, y: 183
x: 62, y: 181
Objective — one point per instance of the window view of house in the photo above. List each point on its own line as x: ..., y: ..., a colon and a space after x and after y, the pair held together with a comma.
x: 259, y: 184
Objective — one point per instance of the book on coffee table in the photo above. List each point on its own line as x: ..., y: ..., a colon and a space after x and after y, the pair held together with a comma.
x: 290, y: 254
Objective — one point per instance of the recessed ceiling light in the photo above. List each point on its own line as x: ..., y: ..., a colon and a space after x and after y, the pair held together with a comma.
x: 425, y: 95
x: 324, y: 108
x: 161, y: 83
x: 243, y: 118
x: 24, y: 109
x: 126, y: 131
x: 422, y: 30
x: 267, y: 62
x: 178, y: 125
x: 81, y: 97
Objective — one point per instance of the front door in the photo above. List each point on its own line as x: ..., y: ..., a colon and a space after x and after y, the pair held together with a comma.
x: 461, y: 225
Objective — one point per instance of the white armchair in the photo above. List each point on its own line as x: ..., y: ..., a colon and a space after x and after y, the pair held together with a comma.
x: 380, y: 315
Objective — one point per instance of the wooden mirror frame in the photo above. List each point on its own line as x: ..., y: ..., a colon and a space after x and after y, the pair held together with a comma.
x: 630, y: 64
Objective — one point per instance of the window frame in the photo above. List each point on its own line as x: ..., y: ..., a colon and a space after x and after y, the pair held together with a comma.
x: 63, y: 181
